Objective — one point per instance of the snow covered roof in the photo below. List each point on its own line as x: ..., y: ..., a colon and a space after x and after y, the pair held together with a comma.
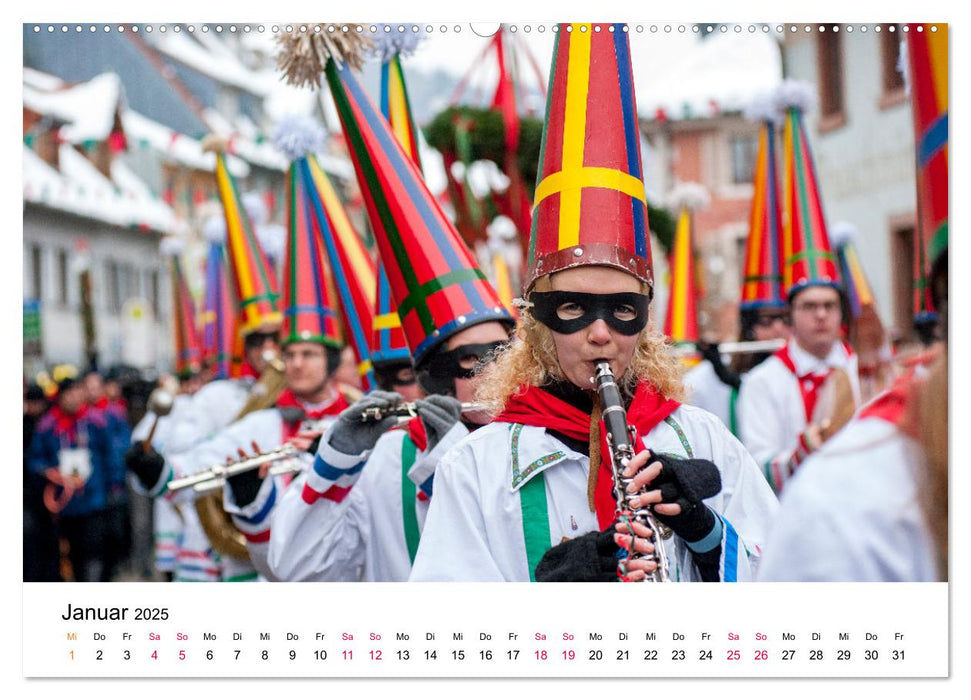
x: 722, y: 73
x: 88, y: 108
x: 79, y: 188
x: 177, y: 147
x: 213, y: 56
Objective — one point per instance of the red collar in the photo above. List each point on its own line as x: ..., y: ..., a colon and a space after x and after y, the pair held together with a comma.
x: 535, y: 407
x: 892, y: 405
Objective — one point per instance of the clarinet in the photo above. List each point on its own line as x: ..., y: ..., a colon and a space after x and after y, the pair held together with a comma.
x: 621, y: 437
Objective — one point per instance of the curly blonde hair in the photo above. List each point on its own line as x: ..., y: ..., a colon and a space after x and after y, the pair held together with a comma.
x: 530, y: 359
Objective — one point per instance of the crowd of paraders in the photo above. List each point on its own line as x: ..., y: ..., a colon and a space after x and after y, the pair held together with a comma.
x: 441, y: 432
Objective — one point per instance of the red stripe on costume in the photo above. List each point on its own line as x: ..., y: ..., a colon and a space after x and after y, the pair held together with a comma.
x: 257, y: 538
x: 334, y: 493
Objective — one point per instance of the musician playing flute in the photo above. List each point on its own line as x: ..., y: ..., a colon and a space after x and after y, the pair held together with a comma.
x: 778, y: 398
x: 242, y: 299
x: 312, y: 341
x: 763, y: 313
x: 360, y: 510
x: 529, y: 497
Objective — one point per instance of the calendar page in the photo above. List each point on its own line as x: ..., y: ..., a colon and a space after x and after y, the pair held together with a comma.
x: 421, y: 344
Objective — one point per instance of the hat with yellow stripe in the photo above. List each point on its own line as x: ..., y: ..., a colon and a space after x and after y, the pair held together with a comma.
x: 590, y: 206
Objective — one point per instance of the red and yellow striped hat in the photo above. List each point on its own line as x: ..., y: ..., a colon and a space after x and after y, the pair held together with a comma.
x: 762, y: 277
x: 590, y: 207
x: 808, y: 258
x: 188, y: 348
x: 681, y: 320
x: 254, y: 280
x: 310, y: 312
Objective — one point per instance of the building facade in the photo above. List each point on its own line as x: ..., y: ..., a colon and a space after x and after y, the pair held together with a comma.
x: 862, y: 140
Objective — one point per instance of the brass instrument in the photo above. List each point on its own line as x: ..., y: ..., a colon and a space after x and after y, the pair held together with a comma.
x: 223, y: 535
x: 620, y: 438
x: 408, y: 410
x: 835, y: 404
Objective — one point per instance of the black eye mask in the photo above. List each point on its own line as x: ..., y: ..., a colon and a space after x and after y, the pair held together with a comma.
x: 594, y: 306
x: 449, y: 363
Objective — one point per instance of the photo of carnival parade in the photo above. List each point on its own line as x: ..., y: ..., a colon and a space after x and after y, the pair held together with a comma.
x: 372, y: 302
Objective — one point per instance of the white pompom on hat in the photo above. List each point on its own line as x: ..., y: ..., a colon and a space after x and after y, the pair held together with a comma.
x: 796, y: 94
x: 388, y: 41
x: 842, y: 233
x: 171, y: 246
x: 692, y: 196
x: 297, y: 135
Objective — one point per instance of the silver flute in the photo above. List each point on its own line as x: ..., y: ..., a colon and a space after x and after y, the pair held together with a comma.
x: 406, y: 410
x: 214, y: 477
x: 621, y: 437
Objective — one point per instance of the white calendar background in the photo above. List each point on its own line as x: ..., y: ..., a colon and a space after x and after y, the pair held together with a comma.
x: 486, y: 630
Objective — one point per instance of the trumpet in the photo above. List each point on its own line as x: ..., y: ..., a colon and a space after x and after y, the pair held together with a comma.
x: 214, y: 477
x: 407, y: 410
x: 621, y: 437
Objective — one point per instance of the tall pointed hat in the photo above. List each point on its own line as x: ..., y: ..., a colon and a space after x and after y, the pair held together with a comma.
x: 589, y: 207
x: 350, y: 264
x: 388, y: 342
x: 188, y: 349
x: 220, y: 314
x: 859, y: 293
x: 310, y: 309
x: 927, y: 79
x: 253, y: 278
x: 807, y: 256
x: 437, y: 286
x: 762, y: 278
x: 681, y: 320
x: 867, y: 334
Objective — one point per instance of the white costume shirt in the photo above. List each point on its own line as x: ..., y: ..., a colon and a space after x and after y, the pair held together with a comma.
x: 475, y: 532
x: 772, y: 415
x: 266, y: 428
x: 181, y: 544
x: 356, y: 517
x: 851, y: 513
x: 707, y: 391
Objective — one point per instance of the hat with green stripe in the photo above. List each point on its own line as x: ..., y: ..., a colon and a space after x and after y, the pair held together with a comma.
x: 435, y: 282
x: 808, y: 258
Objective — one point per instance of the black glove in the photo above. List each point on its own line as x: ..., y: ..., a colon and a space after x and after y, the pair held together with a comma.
x: 438, y: 414
x: 590, y: 557
x: 352, y: 435
x: 146, y: 466
x: 687, y: 482
x: 245, y: 486
x: 710, y: 352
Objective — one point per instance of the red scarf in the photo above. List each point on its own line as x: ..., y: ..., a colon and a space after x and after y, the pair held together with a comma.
x: 808, y: 383
x: 67, y: 423
x: 535, y: 407
x: 288, y: 400
x: 892, y: 405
